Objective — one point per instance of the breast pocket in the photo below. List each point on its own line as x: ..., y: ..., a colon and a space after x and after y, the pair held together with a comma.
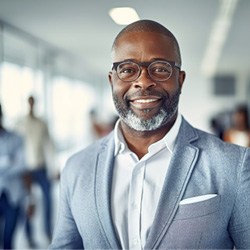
x: 197, y: 225
x: 198, y: 208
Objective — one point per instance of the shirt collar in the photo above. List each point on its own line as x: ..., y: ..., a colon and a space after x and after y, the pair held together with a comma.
x: 168, y: 140
x: 120, y: 143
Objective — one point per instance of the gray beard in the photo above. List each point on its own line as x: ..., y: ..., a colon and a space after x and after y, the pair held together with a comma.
x: 154, y: 123
x: 165, y: 114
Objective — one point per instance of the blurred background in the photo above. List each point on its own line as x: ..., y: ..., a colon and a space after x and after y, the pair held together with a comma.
x: 59, y: 52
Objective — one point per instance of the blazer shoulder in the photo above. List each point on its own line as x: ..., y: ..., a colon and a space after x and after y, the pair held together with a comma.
x: 211, y: 144
x: 88, y: 155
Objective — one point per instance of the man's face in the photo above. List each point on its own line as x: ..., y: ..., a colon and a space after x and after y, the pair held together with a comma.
x: 144, y: 104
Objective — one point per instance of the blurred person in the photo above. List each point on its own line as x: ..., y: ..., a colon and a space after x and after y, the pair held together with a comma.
x: 12, y: 189
x: 39, y: 151
x: 155, y: 182
x: 216, y: 127
x: 219, y: 123
x: 100, y: 126
x: 239, y: 132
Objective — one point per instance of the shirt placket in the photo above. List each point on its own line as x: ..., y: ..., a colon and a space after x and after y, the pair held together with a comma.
x: 135, y: 206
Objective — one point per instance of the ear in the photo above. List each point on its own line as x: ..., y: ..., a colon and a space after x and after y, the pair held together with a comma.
x: 110, y: 78
x: 181, y: 78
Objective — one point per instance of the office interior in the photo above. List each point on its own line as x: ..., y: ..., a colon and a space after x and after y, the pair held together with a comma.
x: 59, y: 51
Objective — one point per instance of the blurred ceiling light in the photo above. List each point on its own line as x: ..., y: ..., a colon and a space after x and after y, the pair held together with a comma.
x: 124, y: 15
x: 218, y: 37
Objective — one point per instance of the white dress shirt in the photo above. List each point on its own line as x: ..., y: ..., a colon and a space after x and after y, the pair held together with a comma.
x: 38, y: 144
x: 137, y: 185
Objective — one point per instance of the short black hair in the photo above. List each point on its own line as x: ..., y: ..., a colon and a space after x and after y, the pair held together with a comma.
x: 149, y: 26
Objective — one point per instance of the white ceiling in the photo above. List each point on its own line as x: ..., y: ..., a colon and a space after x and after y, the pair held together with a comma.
x: 84, y: 30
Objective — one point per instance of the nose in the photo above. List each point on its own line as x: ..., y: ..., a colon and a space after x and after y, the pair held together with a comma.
x: 144, y: 81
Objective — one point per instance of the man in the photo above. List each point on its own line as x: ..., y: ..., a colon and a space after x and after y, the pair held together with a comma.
x: 155, y: 182
x: 12, y: 190
x: 39, y: 150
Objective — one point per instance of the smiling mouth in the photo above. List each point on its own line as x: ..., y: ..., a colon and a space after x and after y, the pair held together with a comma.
x: 145, y: 103
x: 145, y: 100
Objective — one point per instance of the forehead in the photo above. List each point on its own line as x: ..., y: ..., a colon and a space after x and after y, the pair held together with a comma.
x: 143, y: 46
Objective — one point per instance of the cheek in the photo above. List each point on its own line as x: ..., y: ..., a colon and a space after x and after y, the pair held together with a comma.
x: 120, y: 88
x: 171, y: 86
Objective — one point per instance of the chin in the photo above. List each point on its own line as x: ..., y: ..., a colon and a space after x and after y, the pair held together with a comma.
x: 151, y: 124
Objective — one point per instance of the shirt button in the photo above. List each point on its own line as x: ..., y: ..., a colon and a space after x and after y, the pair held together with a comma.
x: 136, y: 241
x: 134, y: 206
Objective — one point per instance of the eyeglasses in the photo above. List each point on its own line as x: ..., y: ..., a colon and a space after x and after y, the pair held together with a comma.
x: 129, y: 71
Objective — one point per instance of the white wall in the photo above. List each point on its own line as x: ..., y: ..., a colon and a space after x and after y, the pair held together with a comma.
x: 198, y: 103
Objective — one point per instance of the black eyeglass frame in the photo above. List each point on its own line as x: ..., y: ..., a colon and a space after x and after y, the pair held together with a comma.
x: 145, y: 64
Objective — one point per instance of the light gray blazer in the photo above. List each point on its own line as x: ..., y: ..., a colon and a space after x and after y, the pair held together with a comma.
x: 201, y: 164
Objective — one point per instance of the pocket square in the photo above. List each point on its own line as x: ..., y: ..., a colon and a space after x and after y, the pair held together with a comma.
x: 197, y: 199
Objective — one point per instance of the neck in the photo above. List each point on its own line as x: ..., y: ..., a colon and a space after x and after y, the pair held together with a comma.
x: 139, y: 141
x: 31, y: 113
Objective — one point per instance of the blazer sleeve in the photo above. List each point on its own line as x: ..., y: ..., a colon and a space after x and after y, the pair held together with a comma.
x: 240, y: 221
x: 66, y: 234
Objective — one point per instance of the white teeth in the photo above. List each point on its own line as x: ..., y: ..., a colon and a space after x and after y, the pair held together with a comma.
x: 145, y: 100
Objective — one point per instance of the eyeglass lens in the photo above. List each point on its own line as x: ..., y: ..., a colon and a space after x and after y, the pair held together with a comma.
x: 158, y: 71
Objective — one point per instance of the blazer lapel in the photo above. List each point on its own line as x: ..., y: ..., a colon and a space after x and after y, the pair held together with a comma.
x: 180, y: 169
x: 104, y: 171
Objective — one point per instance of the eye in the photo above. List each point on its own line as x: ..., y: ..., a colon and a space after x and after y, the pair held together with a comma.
x: 160, y: 68
x: 127, y: 68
